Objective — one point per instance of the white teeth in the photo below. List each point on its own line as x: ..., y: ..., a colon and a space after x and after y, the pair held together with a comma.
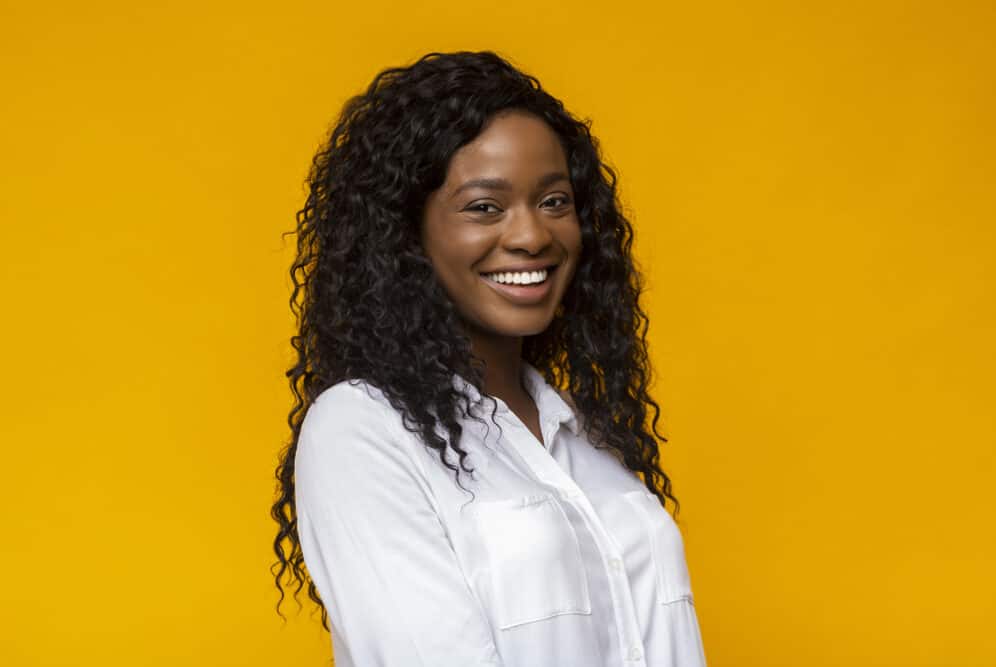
x: 520, y: 278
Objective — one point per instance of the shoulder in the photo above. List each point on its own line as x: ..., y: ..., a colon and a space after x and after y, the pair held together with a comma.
x: 349, y: 419
x: 351, y: 443
x: 358, y: 398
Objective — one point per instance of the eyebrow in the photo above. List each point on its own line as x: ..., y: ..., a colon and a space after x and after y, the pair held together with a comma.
x: 503, y: 184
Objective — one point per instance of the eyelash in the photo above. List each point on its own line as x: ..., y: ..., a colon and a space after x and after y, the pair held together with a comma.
x: 473, y: 207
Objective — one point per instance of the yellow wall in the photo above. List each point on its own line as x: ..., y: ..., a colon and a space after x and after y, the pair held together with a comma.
x: 812, y: 185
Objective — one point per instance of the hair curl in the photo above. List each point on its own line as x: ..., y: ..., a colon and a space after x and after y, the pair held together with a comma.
x: 368, y: 305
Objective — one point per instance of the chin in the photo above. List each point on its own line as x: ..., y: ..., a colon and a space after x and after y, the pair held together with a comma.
x: 510, y: 326
x: 535, y: 326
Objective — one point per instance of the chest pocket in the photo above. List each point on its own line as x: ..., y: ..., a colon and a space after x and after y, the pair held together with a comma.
x: 534, y: 558
x: 666, y: 546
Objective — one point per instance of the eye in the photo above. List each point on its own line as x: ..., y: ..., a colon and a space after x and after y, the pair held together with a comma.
x: 481, y: 207
x: 564, y: 201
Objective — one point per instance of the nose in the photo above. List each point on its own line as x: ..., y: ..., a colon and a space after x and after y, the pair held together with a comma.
x: 527, y: 230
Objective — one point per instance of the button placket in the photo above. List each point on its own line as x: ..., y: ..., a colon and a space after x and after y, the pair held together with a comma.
x: 547, y: 471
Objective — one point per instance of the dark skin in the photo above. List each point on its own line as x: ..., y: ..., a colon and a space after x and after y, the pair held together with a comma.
x: 529, y: 218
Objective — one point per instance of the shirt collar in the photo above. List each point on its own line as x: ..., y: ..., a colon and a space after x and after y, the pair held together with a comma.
x: 553, y: 404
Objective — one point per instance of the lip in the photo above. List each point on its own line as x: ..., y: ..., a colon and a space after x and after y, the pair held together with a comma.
x: 533, y: 266
x: 524, y: 294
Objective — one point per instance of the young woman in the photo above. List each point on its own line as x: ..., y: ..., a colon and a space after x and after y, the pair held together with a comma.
x: 471, y: 479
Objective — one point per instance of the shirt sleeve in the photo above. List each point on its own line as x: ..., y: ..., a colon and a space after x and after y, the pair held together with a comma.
x: 374, y: 545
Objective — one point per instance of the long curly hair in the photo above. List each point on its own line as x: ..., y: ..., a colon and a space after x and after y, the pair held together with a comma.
x: 368, y: 305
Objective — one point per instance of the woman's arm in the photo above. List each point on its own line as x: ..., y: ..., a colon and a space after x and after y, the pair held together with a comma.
x: 374, y: 546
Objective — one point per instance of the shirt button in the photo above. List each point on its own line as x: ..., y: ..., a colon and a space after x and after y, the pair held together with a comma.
x: 635, y: 653
x: 616, y: 564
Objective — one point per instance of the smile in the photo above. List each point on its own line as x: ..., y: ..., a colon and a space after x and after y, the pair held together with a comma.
x: 518, y: 278
x: 523, y: 288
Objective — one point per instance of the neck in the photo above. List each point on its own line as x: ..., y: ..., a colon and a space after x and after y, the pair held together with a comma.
x: 503, y: 371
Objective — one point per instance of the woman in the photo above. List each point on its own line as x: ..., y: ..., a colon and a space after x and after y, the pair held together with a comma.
x: 470, y: 479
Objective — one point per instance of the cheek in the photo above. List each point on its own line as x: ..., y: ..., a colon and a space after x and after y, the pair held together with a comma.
x: 465, y: 248
x: 455, y: 255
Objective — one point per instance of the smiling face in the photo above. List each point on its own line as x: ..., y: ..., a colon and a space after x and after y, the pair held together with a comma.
x: 506, y: 204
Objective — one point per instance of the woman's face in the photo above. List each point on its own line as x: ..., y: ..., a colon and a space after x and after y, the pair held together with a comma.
x: 506, y: 207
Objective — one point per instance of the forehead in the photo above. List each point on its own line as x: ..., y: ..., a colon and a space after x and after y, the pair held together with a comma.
x: 514, y: 145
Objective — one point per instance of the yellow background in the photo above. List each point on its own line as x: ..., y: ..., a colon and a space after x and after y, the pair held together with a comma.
x: 812, y: 186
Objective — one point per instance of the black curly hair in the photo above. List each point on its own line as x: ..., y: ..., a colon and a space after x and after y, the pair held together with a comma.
x: 368, y: 305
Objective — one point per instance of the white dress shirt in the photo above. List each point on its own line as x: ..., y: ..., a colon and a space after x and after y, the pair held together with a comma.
x: 564, y: 557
